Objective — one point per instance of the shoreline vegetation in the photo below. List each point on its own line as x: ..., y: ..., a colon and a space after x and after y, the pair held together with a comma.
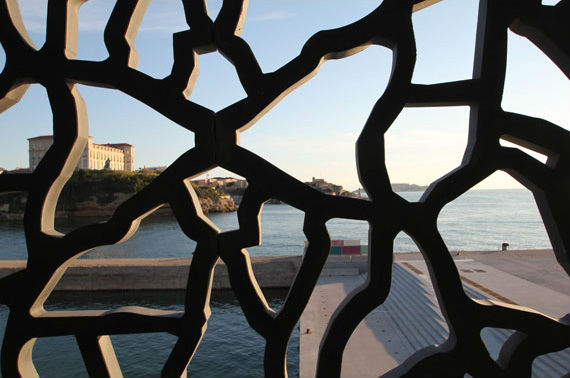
x: 94, y: 193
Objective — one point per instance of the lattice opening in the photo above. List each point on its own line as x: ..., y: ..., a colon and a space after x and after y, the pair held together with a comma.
x: 80, y: 200
x: 282, y: 244
x: 158, y: 141
x: 407, y: 321
x: 79, y: 205
x: 21, y: 124
x: 34, y: 16
x: 445, y: 49
x: 222, y: 215
x: 547, y: 365
x: 424, y: 144
x: 133, y: 352
x: 228, y: 332
x: 52, y: 354
x: 494, y: 338
x: 11, y: 230
x: 534, y: 85
x: 158, y: 235
x: 483, y: 219
x: 349, y: 229
x: 138, y: 354
x: 274, y: 242
x: 4, y: 312
x: 225, y: 221
x: 93, y: 16
x: 216, y: 73
x: 2, y: 58
x: 114, y: 299
x: 403, y: 242
x: 280, y: 42
x: 550, y: 363
x: 313, y: 132
x: 154, y: 41
x: 214, y: 8
x: 537, y: 155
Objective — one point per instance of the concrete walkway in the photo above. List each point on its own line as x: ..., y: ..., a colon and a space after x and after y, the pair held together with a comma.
x: 410, y: 318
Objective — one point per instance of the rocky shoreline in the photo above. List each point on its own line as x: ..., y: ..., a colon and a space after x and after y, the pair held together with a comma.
x: 12, y: 209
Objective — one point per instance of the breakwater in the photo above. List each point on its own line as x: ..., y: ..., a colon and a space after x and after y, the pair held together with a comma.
x: 271, y: 272
x: 172, y: 273
x: 157, y: 273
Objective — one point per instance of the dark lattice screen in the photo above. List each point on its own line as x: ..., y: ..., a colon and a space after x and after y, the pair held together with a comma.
x: 217, y: 145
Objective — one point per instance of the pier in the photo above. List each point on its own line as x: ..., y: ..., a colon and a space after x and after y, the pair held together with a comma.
x: 410, y: 318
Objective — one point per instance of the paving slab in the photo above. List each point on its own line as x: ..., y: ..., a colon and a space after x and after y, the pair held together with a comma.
x: 385, y: 338
x: 502, y: 285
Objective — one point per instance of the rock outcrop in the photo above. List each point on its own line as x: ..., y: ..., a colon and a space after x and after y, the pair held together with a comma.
x: 220, y: 205
x: 12, y: 207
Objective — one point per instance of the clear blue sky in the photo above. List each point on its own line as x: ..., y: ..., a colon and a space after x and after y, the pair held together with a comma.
x: 312, y: 131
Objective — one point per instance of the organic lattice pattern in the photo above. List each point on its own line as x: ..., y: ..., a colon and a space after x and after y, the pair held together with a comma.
x: 217, y: 145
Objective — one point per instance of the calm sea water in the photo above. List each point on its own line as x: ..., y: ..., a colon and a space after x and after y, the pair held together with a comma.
x: 229, y: 348
x: 478, y: 220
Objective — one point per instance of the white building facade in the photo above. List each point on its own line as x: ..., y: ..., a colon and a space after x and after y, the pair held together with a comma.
x: 118, y: 156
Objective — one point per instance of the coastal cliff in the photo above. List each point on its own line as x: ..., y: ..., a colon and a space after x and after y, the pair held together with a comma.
x: 98, y: 193
x: 219, y: 205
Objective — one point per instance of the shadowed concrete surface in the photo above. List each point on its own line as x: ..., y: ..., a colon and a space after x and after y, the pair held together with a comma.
x: 410, y: 318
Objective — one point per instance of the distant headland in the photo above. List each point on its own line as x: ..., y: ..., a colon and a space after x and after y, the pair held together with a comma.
x: 91, y: 193
x: 235, y: 187
x: 403, y: 187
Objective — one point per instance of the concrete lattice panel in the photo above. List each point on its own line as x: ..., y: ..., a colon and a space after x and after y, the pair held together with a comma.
x: 217, y: 145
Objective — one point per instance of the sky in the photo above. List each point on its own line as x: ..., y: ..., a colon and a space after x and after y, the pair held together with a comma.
x: 312, y: 132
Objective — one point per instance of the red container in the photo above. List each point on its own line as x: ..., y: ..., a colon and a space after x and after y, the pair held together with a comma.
x: 337, y: 242
x: 351, y: 250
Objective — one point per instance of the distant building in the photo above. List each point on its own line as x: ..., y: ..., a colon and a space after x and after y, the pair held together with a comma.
x: 221, y: 182
x: 326, y: 187
x: 359, y: 193
x: 120, y: 156
x: 238, y: 184
x: 203, y: 183
x: 159, y: 169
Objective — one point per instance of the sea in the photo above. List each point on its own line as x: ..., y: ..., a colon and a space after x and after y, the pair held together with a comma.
x: 478, y: 220
x: 229, y: 348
